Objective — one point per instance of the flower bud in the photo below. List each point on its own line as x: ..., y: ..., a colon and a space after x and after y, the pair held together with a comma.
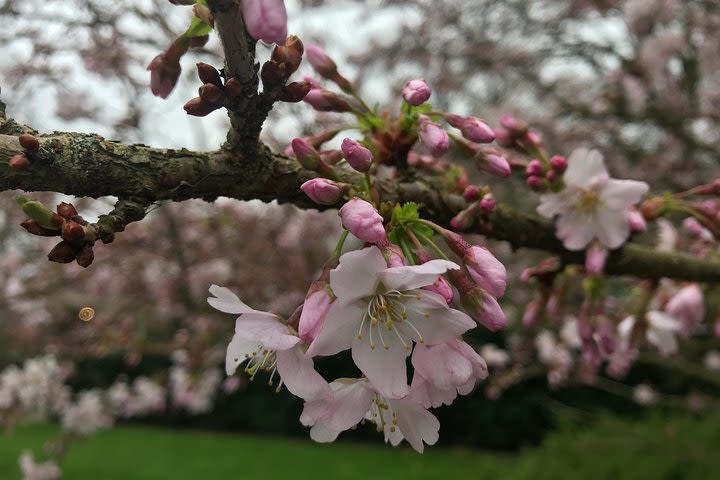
x: 315, y: 309
x: 416, y: 92
x: 471, y: 193
x: 272, y: 75
x: 493, y: 164
x: 516, y: 127
x: 66, y: 210
x: 204, y: 14
x: 266, y: 20
x: 688, y: 306
x: 29, y: 142
x: 433, y: 137
x: 503, y: 137
x: 595, y: 258
x: 487, y: 203
x: 73, y: 232
x: 306, y: 154
x: 442, y: 288
x: 294, y: 92
x: 320, y: 61
x: 558, y: 163
x: 165, y: 68
x: 211, y: 94
x: 363, y: 221
x: 550, y: 176
x: 34, y: 228
x: 326, y: 101
x: 359, y: 157
x: 197, y: 108
x: 63, y: 252
x: 635, y: 220
x: 85, y: 256
x: 289, y: 56
x: 471, y: 128
x: 534, y: 182
x: 464, y: 219
x: 208, y: 74
x: 534, y: 168
x: 37, y: 211
x: 652, y: 208
x: 479, y: 304
x: 233, y: 88
x: 324, y: 191
x: 19, y: 163
x: 331, y: 157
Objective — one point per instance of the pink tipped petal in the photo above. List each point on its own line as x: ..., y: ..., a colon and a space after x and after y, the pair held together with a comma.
x: 416, y: 424
x: 487, y: 270
x: 321, y: 433
x: 226, y: 301
x: 238, y: 350
x: 442, y: 365
x: 493, y: 318
x: 415, y: 276
x: 299, y: 376
x: 265, y: 328
x: 339, y: 330
x: 384, y: 368
x: 313, y: 315
x: 357, y: 274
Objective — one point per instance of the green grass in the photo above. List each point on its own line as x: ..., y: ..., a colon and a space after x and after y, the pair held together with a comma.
x: 654, y: 449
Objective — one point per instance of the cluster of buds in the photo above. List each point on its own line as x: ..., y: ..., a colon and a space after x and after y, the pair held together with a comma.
x: 212, y: 94
x: 77, y: 236
x: 545, y: 175
x: 516, y: 134
x: 285, y: 61
x: 31, y: 145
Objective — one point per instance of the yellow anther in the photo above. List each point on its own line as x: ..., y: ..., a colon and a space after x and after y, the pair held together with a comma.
x: 86, y: 314
x: 392, y: 429
x: 387, y: 347
x: 426, y: 315
x: 359, y: 337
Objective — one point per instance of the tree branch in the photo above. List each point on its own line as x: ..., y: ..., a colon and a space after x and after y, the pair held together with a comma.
x: 86, y: 165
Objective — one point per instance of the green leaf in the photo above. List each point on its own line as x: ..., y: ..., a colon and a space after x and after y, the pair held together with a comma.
x: 197, y: 28
x: 37, y: 211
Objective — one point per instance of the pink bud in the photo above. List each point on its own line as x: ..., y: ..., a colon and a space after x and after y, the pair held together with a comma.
x: 416, y: 92
x: 531, y: 313
x: 442, y: 288
x: 320, y: 61
x: 535, y: 167
x: 534, y: 182
x: 493, y: 164
x: 693, y: 227
x: 515, y: 126
x: 503, y: 137
x: 488, y: 202
x: 595, y: 258
x: 306, y: 154
x: 313, y: 314
x: 313, y: 83
x: 486, y: 270
x: 558, y: 163
x: 324, y: 191
x: 471, y: 193
x: 433, y: 137
x: 472, y: 128
x: 326, y: 101
x: 266, y: 20
x: 635, y: 220
x: 550, y: 176
x: 359, y: 157
x: 479, y: 304
x: 363, y: 221
x: 165, y: 68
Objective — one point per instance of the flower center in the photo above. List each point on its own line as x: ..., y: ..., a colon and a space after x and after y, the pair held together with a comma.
x: 381, y: 414
x: 261, y: 359
x: 387, y: 312
x: 588, y: 200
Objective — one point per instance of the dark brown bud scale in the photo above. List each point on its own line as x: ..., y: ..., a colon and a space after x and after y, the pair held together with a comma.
x: 86, y: 256
x: 34, y: 228
x: 66, y: 210
x: 63, y: 252
x: 29, y: 142
x: 294, y: 92
x: 211, y: 94
x: 19, y: 163
x: 73, y: 232
x: 209, y: 74
x: 197, y: 108
x: 233, y: 88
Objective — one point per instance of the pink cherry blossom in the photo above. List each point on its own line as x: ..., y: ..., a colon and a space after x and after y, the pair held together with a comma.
x: 592, y: 205
x: 687, y: 306
x: 355, y: 400
x: 266, y: 20
x: 265, y: 343
x: 660, y: 331
x: 381, y: 311
x: 444, y: 370
x: 363, y: 221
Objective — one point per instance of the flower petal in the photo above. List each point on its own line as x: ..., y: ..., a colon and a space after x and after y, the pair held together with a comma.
x: 340, y: 328
x: 575, y: 229
x: 299, y: 376
x: 612, y: 228
x: 585, y: 169
x: 428, y: 395
x: 237, y: 352
x: 265, y: 328
x: 430, y: 315
x: 356, y: 276
x: 384, y: 368
x: 416, y: 424
x: 442, y: 365
x: 415, y: 276
x: 322, y: 433
x: 226, y: 301
x: 621, y: 194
